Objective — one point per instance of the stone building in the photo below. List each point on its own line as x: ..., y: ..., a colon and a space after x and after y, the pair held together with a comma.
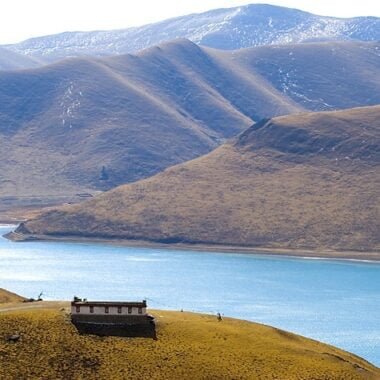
x: 129, y: 319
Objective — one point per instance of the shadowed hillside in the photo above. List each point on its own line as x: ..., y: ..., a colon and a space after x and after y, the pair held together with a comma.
x: 90, y: 124
x: 10, y: 60
x: 302, y: 181
x: 84, y: 125
x: 189, y: 346
x: 318, y: 76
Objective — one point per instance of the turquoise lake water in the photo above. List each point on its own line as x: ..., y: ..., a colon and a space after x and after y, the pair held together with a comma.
x: 337, y: 302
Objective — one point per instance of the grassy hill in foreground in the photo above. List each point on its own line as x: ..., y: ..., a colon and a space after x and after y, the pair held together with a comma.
x: 303, y: 181
x: 189, y: 346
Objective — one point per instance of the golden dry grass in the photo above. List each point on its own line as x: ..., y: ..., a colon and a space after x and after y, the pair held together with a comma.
x: 6, y: 296
x: 189, y: 346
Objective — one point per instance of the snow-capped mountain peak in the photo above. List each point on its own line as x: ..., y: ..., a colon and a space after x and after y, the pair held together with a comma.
x: 229, y: 29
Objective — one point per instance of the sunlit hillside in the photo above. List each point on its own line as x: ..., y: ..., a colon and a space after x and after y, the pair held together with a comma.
x: 7, y: 296
x: 189, y: 346
x: 304, y: 181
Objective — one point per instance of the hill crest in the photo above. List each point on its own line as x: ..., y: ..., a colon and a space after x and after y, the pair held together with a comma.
x: 262, y: 194
x: 326, y: 135
x: 189, y: 346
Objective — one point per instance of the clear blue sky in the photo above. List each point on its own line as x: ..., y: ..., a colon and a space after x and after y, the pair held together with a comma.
x: 22, y: 19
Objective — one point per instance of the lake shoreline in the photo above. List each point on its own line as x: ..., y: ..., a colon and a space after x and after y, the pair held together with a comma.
x: 323, y: 254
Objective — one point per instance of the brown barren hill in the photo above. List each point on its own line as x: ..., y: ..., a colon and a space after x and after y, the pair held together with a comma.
x: 304, y: 181
x: 89, y: 124
x: 7, y: 296
x: 189, y: 346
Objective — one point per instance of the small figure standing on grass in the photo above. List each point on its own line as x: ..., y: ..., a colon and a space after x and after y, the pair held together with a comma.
x: 219, y: 317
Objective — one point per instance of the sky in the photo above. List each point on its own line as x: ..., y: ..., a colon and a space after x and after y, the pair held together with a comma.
x: 22, y: 19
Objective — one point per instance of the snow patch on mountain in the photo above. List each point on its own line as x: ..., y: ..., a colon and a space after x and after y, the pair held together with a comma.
x: 229, y: 29
x: 70, y: 103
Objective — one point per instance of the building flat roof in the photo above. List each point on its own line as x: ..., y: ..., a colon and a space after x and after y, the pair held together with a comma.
x: 109, y: 303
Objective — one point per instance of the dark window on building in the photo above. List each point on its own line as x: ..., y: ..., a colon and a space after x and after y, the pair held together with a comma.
x: 77, y: 309
x: 91, y: 309
x: 107, y: 309
x: 140, y: 310
x: 119, y: 309
x: 129, y: 310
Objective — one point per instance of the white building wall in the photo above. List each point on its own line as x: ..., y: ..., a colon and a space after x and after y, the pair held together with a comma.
x: 101, y: 310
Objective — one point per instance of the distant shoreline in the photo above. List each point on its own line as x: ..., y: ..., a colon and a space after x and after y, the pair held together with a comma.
x: 322, y: 254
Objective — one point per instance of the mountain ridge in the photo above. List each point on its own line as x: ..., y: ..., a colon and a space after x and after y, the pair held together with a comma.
x: 88, y: 124
x: 228, y: 28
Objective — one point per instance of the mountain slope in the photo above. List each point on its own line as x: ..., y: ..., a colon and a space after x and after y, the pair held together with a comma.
x: 315, y: 76
x: 83, y: 125
x: 302, y: 181
x: 11, y: 60
x: 232, y: 28
x: 60, y: 125
x: 7, y: 296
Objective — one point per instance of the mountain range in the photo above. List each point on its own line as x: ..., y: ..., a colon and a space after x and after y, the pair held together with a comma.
x: 306, y: 181
x: 89, y: 124
x: 231, y: 29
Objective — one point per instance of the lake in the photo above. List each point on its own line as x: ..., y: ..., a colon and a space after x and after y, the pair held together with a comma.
x: 333, y: 301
